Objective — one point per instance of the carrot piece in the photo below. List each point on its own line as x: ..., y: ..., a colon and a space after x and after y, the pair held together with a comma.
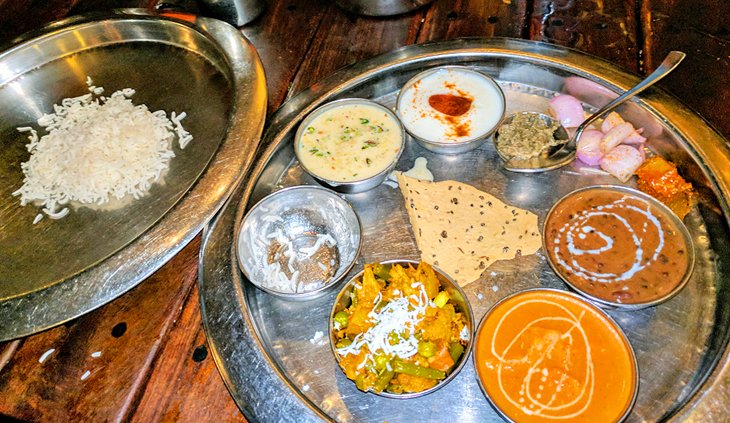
x: 442, y: 360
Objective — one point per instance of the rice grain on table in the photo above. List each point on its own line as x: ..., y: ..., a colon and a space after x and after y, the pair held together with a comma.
x: 96, y: 148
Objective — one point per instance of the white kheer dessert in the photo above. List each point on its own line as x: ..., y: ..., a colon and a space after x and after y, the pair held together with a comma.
x: 451, y: 105
x: 349, y: 142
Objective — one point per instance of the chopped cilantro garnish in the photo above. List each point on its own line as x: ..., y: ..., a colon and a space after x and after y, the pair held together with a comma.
x: 364, y: 121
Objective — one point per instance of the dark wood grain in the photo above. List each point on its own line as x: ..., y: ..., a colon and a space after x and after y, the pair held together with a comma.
x: 158, y: 369
x: 604, y: 28
x: 54, y: 391
x: 447, y: 20
x: 343, y: 39
x: 282, y: 37
x: 183, y: 374
x: 700, y: 28
x: 19, y: 16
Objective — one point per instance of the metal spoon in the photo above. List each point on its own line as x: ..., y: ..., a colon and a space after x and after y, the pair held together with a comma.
x: 564, y: 153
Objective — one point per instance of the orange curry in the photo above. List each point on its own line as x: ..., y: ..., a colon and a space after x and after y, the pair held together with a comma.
x: 545, y: 355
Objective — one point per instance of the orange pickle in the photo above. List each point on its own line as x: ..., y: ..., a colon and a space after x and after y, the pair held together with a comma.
x: 545, y: 355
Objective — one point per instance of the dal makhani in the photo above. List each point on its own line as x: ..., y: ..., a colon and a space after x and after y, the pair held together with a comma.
x: 618, y: 245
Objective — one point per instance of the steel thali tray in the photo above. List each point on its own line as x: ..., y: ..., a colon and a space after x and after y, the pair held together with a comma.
x: 58, y: 269
x: 266, y: 350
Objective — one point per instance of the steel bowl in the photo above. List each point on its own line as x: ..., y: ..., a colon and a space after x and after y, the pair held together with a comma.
x: 588, y: 304
x: 302, y: 215
x: 458, y: 298
x: 678, y: 225
x: 441, y: 147
x: 349, y: 187
x: 550, y: 158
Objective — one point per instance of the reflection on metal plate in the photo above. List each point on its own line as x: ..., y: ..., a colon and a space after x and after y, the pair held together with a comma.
x: 263, y: 345
x: 57, y: 269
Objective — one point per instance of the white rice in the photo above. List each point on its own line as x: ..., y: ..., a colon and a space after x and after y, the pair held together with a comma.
x: 96, y: 148
x: 46, y: 355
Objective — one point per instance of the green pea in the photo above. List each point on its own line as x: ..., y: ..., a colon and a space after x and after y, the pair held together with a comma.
x: 364, y: 121
x: 341, y: 318
x: 381, y: 361
x: 426, y: 349
x: 360, y: 382
x: 310, y: 130
x: 393, y: 338
x: 381, y: 270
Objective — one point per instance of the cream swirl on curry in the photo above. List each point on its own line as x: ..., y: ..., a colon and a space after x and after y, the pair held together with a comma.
x: 544, y: 355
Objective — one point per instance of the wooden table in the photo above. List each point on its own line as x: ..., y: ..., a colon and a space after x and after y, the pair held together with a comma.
x: 143, y: 357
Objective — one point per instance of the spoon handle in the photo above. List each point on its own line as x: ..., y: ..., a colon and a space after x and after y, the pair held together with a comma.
x: 670, y: 62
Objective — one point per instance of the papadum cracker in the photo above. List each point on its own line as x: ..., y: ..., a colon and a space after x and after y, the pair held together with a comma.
x: 463, y: 230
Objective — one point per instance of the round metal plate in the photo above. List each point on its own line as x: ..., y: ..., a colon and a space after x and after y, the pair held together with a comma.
x: 267, y: 351
x: 58, y: 269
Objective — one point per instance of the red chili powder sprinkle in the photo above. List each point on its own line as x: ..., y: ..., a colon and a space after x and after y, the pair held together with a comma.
x: 458, y: 129
x: 450, y: 104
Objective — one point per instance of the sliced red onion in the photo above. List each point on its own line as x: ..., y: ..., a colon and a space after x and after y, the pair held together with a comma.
x: 613, y: 119
x: 635, y: 137
x: 616, y: 136
x: 640, y: 149
x: 584, y: 87
x: 567, y: 109
x: 588, y: 148
x: 622, y: 162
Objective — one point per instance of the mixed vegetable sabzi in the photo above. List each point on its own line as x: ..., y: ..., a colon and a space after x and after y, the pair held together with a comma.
x: 402, y: 332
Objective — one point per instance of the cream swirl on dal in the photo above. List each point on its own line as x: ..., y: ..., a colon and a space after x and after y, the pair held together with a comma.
x: 580, y: 225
